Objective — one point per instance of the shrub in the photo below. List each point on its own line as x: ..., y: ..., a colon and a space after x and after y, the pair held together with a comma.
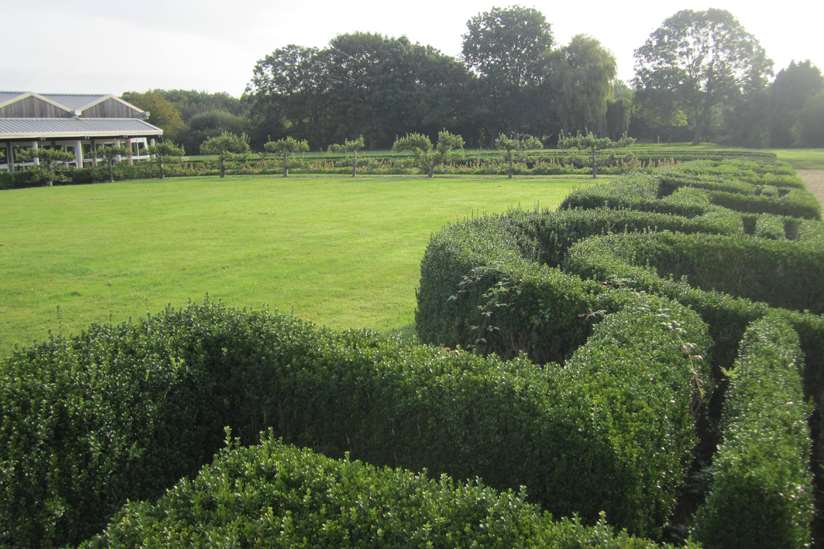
x: 761, y: 489
x: 124, y: 411
x: 296, y: 498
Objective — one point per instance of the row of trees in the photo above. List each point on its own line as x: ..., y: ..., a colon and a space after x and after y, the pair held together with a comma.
x: 428, y: 155
x: 700, y: 76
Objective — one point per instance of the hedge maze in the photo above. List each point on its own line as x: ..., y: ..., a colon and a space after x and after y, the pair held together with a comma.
x: 639, y: 367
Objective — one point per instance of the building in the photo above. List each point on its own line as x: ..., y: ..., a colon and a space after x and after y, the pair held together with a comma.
x: 74, y: 122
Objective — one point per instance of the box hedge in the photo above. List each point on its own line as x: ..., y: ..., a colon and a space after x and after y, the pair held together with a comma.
x: 122, y: 412
x: 280, y: 496
x: 760, y: 492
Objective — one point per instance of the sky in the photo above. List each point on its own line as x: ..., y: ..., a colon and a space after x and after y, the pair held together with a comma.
x: 95, y: 46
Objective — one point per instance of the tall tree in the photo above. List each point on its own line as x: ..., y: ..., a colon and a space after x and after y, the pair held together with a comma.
x: 812, y: 122
x: 507, y: 48
x: 700, y: 63
x: 162, y: 113
x: 583, y: 72
x: 790, y: 91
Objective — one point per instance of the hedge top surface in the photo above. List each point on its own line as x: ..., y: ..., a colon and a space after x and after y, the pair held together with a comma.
x: 281, y: 496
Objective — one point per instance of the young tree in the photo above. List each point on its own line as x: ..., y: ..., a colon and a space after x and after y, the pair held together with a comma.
x: 164, y: 149
x: 516, y: 147
x: 49, y: 161
x: 592, y: 143
x: 110, y: 153
x: 285, y: 147
x: 427, y: 156
x: 700, y: 63
x: 350, y: 147
x: 225, y: 145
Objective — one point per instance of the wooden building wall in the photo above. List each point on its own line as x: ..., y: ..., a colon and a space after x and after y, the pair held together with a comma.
x: 110, y: 109
x: 32, y: 107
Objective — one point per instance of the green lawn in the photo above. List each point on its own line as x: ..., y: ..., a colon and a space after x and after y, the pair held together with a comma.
x: 338, y: 251
x: 802, y: 159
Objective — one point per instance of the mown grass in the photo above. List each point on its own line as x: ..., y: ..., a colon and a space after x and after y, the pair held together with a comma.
x: 802, y: 159
x: 338, y: 251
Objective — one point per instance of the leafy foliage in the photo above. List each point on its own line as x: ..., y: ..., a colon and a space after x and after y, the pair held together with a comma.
x: 761, y: 488
x: 426, y: 156
x: 286, y: 147
x: 224, y: 145
x: 297, y: 498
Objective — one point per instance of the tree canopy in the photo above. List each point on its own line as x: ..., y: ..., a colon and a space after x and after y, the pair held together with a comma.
x: 700, y: 63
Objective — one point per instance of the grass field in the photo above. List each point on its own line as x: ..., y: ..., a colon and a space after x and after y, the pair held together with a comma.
x: 802, y: 159
x: 338, y: 251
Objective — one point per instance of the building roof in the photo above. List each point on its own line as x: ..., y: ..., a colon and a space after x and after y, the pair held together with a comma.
x: 78, y: 128
x: 71, y: 102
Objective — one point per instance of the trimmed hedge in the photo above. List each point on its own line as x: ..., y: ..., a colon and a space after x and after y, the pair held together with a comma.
x: 761, y: 489
x: 121, y: 412
x: 486, y: 285
x: 279, y: 496
x: 727, y: 316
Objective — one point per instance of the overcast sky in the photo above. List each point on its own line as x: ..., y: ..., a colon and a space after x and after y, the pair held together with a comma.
x: 112, y: 46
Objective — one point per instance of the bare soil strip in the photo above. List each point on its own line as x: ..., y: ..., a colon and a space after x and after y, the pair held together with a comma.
x: 814, y: 180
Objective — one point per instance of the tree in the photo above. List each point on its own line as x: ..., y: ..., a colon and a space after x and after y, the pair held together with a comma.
x: 583, y: 73
x: 701, y: 63
x: 48, y: 161
x: 426, y: 156
x: 162, y: 150
x: 110, y: 153
x: 515, y: 147
x: 162, y: 113
x: 225, y: 145
x: 508, y: 49
x: 812, y: 122
x: 208, y: 124
x: 789, y: 93
x: 285, y: 147
x: 593, y: 143
x: 507, y: 45
x: 350, y: 147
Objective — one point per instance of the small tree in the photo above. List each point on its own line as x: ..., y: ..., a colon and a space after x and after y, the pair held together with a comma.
x: 350, y: 147
x: 426, y: 156
x: 591, y: 142
x: 110, y: 153
x: 163, y: 150
x: 225, y: 145
x: 516, y: 147
x: 49, y: 161
x: 285, y: 147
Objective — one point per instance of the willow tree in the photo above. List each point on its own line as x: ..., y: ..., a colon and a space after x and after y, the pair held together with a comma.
x: 427, y: 155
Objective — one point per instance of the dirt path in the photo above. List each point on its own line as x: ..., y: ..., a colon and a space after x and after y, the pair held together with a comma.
x: 814, y: 180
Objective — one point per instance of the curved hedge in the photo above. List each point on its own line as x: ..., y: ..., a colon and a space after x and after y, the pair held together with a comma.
x: 121, y: 412
x: 279, y: 496
x: 538, y: 283
x: 761, y: 488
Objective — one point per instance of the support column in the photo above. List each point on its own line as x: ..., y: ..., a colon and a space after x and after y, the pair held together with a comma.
x: 36, y: 147
x: 78, y: 154
x: 131, y: 152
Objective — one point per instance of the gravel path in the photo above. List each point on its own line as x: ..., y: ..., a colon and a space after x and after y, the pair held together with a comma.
x: 814, y: 180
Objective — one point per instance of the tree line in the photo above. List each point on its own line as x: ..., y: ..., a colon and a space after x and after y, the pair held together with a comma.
x: 700, y: 76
